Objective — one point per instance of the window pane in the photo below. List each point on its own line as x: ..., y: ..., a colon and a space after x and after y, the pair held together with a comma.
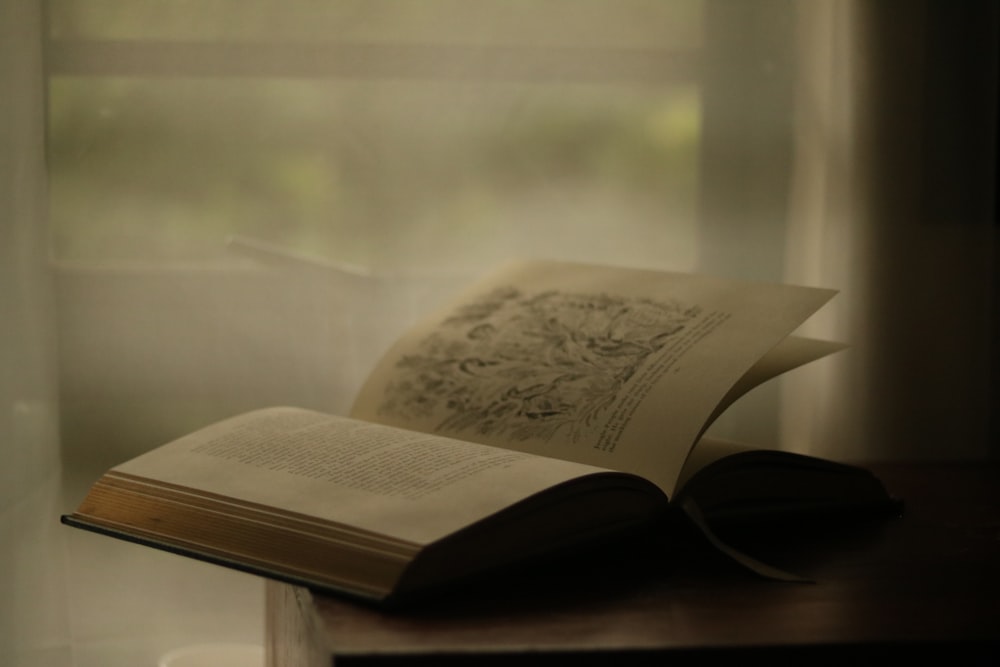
x: 387, y: 167
x: 370, y: 173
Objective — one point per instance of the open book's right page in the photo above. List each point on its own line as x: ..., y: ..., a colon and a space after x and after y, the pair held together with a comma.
x: 618, y: 368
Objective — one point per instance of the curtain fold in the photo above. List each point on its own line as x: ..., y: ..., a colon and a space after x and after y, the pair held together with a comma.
x: 34, y: 625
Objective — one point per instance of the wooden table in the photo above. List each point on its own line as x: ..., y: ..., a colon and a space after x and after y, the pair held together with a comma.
x: 925, y: 584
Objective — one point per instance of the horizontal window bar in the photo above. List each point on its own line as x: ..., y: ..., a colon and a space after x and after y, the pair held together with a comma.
x: 370, y: 61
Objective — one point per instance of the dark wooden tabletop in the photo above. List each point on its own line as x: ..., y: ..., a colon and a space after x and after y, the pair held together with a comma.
x: 925, y: 583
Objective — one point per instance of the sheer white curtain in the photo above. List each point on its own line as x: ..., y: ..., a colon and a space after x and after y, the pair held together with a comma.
x: 34, y: 627
x: 842, y: 143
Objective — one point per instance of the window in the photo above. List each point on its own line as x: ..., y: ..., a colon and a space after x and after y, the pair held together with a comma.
x: 404, y: 146
x: 390, y: 135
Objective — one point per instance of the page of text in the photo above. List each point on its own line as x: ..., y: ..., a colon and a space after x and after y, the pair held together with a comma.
x: 406, y: 485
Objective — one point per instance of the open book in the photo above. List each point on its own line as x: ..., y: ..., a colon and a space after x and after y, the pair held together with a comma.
x: 549, y: 405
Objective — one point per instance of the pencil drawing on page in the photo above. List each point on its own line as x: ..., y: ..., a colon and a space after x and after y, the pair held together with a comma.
x: 525, y: 366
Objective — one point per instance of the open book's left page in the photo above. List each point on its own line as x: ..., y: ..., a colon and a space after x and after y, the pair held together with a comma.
x: 411, y: 487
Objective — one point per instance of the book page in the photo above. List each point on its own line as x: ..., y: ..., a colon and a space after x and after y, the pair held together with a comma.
x: 611, y: 367
x: 791, y: 352
x: 409, y: 486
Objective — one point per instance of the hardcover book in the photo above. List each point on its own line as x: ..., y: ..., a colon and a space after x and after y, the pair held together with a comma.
x: 549, y: 406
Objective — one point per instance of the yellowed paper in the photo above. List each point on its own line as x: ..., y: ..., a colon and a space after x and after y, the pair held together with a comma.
x: 411, y: 486
x: 616, y: 368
